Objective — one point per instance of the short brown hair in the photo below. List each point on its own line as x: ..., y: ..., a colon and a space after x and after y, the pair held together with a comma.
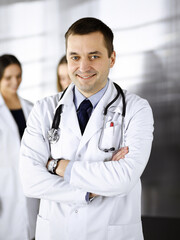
x: 90, y: 25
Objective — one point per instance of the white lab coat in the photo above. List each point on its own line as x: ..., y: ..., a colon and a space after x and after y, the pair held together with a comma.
x: 64, y: 214
x: 17, y: 213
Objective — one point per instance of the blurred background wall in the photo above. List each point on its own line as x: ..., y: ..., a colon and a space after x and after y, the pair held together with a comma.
x: 147, y: 43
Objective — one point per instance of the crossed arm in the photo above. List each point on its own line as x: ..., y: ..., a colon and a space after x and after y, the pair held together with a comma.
x: 104, y: 178
x: 61, y: 167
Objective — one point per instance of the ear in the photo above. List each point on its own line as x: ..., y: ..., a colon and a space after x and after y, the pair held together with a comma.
x: 112, y: 59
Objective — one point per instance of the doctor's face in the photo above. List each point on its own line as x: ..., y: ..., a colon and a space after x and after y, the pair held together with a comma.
x: 11, y: 79
x: 88, y: 62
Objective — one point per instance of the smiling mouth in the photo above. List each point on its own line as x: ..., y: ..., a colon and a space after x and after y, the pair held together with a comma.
x: 86, y: 77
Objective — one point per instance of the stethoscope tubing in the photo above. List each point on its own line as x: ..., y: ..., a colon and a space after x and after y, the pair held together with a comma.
x: 119, y: 92
x: 57, y: 116
x: 53, y: 132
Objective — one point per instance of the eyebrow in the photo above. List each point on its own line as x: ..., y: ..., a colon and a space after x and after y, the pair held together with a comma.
x: 95, y: 52
x: 73, y: 53
x: 90, y: 53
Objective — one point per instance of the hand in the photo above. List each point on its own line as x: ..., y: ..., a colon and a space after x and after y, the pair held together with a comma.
x: 61, y: 167
x: 120, y: 154
x: 91, y: 195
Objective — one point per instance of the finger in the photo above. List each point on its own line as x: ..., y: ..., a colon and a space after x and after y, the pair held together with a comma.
x: 118, y: 157
x: 120, y: 154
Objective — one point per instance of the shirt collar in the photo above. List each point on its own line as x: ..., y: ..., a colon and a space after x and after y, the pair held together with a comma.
x: 94, y: 99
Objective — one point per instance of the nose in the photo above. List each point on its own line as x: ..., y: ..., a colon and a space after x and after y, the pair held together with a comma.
x: 84, y: 65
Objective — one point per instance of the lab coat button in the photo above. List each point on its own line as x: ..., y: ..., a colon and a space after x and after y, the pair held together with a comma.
x: 76, y: 211
x: 79, y: 155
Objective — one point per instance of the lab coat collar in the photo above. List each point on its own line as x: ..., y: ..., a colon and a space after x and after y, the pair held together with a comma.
x: 67, y: 98
x: 69, y: 116
x: 7, y: 115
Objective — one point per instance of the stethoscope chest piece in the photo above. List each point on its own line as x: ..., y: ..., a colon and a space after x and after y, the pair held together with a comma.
x: 53, y: 135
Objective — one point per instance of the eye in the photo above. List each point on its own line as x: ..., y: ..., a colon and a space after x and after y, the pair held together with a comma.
x: 94, y: 57
x: 8, y: 78
x: 19, y: 76
x: 75, y: 58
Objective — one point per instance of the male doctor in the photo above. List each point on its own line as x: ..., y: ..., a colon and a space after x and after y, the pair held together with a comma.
x: 87, y: 193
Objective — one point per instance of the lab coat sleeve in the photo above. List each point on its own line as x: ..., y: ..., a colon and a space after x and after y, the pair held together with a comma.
x: 119, y: 177
x: 36, y: 180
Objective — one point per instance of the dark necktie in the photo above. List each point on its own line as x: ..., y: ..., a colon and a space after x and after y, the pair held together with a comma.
x: 83, y: 114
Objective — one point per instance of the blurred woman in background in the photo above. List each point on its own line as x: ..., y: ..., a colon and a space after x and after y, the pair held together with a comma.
x: 17, y: 213
x: 63, y: 79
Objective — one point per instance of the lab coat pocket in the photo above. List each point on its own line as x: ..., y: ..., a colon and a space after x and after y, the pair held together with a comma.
x: 42, y: 229
x: 111, y: 137
x: 125, y: 232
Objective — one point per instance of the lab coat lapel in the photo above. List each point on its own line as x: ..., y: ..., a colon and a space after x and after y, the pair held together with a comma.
x: 25, y: 108
x: 69, y: 120
x: 69, y: 117
x: 7, y: 116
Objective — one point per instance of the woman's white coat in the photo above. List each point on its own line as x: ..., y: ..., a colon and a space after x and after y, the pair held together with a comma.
x: 64, y: 213
x: 17, y: 212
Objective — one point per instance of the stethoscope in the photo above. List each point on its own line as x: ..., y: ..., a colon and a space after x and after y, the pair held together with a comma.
x: 53, y: 135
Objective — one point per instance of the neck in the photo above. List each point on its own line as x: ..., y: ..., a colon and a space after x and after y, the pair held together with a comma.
x: 9, y: 96
x: 88, y: 94
x: 11, y: 100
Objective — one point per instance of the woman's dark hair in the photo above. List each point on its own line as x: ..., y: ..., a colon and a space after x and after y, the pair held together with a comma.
x: 63, y: 60
x: 5, y: 61
x: 90, y: 25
